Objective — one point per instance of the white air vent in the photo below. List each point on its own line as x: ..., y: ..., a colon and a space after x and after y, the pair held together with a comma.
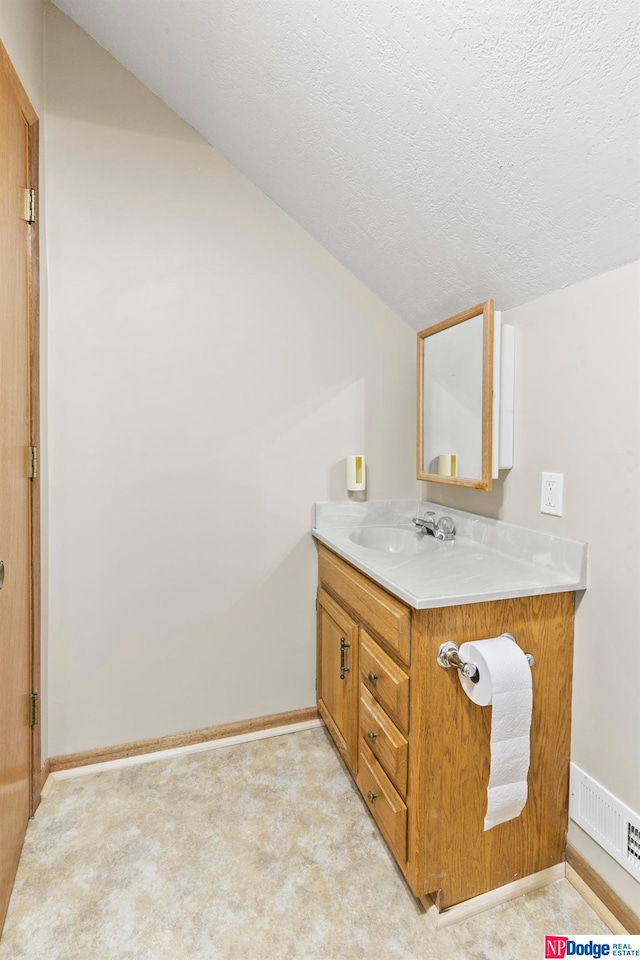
x: 611, y: 824
x: 633, y: 843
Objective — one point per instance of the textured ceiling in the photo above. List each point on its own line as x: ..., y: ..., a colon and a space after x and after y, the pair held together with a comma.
x: 444, y: 151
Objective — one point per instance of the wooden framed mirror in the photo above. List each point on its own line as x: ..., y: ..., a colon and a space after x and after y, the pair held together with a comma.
x: 455, y: 399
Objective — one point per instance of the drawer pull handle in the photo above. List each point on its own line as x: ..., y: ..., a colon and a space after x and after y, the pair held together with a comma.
x: 372, y: 735
x: 373, y: 677
x: 343, y: 646
x: 372, y: 797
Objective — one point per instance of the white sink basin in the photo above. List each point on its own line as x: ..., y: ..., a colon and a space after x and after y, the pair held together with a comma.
x: 400, y: 540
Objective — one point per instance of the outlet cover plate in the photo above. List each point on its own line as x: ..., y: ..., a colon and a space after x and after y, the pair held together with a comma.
x: 551, y: 494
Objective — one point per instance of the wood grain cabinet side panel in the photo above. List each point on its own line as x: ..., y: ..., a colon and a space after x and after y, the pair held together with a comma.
x: 451, y: 854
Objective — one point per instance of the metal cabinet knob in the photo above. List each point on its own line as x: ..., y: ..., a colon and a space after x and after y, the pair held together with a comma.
x: 371, y: 735
x: 372, y: 797
x: 372, y: 677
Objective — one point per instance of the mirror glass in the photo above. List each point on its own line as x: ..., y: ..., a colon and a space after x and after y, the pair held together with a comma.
x: 455, y: 369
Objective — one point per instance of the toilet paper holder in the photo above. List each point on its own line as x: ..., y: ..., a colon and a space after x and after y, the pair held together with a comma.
x: 448, y: 656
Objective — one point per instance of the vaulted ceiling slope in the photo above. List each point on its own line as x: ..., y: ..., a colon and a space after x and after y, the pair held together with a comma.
x: 444, y: 151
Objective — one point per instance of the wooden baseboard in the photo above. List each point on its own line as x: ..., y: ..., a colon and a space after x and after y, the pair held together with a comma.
x: 44, y: 773
x: 606, y: 903
x: 469, y: 908
x: 176, y: 740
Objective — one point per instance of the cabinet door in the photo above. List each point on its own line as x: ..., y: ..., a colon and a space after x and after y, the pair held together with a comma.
x: 337, y: 676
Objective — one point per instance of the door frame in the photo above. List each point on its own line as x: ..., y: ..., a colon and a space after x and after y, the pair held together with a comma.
x: 33, y: 266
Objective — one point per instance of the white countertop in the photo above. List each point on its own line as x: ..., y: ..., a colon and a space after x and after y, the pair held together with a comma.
x: 488, y: 560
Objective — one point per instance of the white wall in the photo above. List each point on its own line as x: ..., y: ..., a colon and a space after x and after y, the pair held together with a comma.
x: 22, y: 33
x: 578, y: 413
x: 210, y: 366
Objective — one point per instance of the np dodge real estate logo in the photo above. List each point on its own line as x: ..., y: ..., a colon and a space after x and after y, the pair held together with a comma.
x: 555, y: 947
x: 558, y: 948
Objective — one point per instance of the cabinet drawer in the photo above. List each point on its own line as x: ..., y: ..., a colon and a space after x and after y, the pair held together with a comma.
x: 387, y: 617
x: 384, y: 802
x: 388, y: 682
x: 384, y: 740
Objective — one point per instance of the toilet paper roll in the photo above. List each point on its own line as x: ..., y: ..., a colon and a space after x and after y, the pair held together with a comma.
x: 505, y: 683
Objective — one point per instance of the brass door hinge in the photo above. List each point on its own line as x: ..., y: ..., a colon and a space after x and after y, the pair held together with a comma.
x: 34, y: 709
x: 30, y: 205
x: 32, y: 467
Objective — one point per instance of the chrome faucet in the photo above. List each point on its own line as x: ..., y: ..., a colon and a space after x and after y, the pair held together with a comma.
x: 442, y: 529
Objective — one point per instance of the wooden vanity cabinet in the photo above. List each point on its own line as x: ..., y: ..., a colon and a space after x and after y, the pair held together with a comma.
x: 419, y: 748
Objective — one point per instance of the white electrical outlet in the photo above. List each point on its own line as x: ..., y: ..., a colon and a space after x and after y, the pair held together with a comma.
x: 551, y: 498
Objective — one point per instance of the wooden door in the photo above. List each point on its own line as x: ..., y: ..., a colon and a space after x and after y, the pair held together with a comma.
x: 17, y: 292
x: 337, y: 676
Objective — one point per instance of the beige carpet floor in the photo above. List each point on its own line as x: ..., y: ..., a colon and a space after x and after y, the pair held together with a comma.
x: 261, y: 851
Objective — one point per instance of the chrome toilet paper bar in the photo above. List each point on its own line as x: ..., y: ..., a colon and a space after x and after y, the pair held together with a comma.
x: 448, y: 656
